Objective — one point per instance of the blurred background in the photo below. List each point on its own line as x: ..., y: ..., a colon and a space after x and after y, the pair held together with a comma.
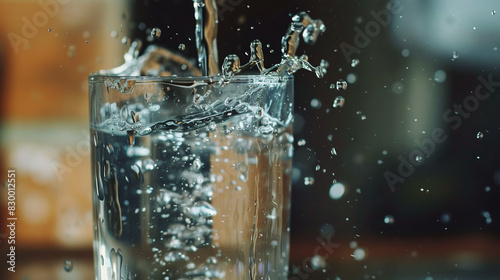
x: 396, y: 177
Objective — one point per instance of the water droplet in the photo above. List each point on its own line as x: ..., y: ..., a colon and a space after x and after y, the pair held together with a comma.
x: 337, y: 190
x: 318, y: 262
x: 397, y: 87
x: 405, y: 52
x: 202, y: 209
x: 455, y: 55
x: 301, y: 142
x: 351, y: 78
x: 50, y: 29
x: 354, y: 62
x: 487, y: 188
x: 418, y: 158
x: 445, y: 218
x: 266, y: 129
x: 359, y: 254
x: 341, y: 85
x: 480, y: 135
x: 440, y: 76
x: 334, y: 152
x: 125, y: 40
x: 68, y: 266
x: 338, y: 102
x: 231, y: 65
x: 493, y: 12
x: 389, y: 219
x: 308, y: 181
x: 315, y: 103
x: 182, y: 47
x: 487, y: 217
x: 156, y: 32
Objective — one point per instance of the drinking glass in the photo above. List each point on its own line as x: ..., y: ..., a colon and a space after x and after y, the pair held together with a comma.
x: 191, y: 176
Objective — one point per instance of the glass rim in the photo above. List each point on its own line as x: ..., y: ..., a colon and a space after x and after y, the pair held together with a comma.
x: 195, y: 80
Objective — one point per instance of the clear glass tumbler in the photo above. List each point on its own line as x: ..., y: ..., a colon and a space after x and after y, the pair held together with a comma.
x: 191, y: 176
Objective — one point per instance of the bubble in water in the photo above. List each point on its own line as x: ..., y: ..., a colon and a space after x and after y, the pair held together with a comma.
x: 455, y: 55
x: 389, y: 219
x: 308, y: 181
x: 156, y: 32
x: 480, y: 135
x: 341, y: 85
x: 338, y: 102
x: 182, y: 47
x: 440, y: 76
x: 68, y: 266
x: 318, y: 262
x: 266, y: 129
x: 50, y: 29
x: 334, y: 152
x: 487, y: 188
x: 202, y: 209
x: 493, y: 12
x: 354, y: 62
x: 337, y: 190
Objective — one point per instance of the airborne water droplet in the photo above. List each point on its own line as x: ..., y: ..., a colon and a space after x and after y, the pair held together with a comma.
x: 308, y: 181
x: 359, y: 254
x: 418, y: 158
x: 480, y: 135
x: 318, y: 262
x: 182, y: 47
x: 440, y: 76
x: 156, y: 32
x: 389, y: 219
x: 68, y: 266
x: 337, y: 191
x: 341, y: 85
x: 338, y: 102
x: 354, y: 62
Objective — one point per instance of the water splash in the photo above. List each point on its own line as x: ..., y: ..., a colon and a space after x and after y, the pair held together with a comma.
x: 68, y: 266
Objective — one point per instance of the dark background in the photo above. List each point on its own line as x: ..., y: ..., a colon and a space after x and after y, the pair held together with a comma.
x: 440, y: 212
